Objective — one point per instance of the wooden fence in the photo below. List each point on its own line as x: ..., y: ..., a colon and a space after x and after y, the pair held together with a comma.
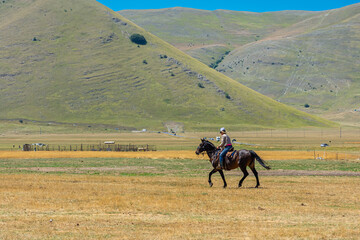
x: 91, y: 147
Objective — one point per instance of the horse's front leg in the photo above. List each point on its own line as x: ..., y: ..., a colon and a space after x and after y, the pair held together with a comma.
x: 211, y: 173
x: 223, y: 178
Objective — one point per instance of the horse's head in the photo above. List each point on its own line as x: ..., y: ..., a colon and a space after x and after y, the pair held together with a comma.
x: 204, y: 146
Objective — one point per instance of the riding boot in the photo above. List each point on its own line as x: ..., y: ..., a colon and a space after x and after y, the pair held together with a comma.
x: 219, y: 167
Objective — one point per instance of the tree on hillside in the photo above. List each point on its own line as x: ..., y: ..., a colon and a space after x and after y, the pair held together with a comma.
x: 138, y: 39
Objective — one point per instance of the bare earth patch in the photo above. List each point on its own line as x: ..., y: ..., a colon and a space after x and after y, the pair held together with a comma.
x: 308, y: 173
x: 87, y: 169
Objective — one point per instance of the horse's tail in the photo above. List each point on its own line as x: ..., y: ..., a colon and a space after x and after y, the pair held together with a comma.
x: 262, y: 162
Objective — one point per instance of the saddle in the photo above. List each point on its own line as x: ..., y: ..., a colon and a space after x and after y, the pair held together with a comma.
x: 229, y: 158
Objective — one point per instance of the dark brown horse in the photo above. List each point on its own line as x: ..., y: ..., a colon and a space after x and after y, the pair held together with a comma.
x: 235, y: 159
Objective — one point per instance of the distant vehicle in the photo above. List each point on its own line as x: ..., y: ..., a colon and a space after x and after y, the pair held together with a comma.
x: 212, y: 139
x: 39, y: 144
x: 109, y: 142
x: 217, y: 138
x: 324, y: 145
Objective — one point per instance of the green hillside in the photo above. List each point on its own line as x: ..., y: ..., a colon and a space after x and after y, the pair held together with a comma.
x: 299, y: 57
x: 206, y: 35
x: 73, y: 62
x: 313, y: 62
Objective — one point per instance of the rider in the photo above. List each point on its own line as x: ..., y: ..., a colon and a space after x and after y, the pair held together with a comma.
x: 225, y: 146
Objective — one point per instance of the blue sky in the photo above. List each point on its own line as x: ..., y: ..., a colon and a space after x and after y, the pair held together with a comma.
x: 238, y: 5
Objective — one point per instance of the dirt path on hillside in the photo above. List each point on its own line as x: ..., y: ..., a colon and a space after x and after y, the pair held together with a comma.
x: 198, y: 46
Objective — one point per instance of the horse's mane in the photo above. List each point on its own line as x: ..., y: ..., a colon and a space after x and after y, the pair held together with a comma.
x: 211, y: 144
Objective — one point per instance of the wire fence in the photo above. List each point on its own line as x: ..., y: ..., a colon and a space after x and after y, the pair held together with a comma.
x: 309, y: 154
x: 334, y: 133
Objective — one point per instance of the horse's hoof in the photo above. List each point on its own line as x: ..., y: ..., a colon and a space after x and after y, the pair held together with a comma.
x: 225, y: 186
x: 239, y: 186
x: 257, y: 186
x: 211, y: 184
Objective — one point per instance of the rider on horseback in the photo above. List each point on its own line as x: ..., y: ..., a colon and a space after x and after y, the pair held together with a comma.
x: 225, y: 146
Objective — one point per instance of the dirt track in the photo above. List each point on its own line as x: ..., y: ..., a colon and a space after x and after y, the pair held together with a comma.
x: 307, y: 173
x: 153, y: 170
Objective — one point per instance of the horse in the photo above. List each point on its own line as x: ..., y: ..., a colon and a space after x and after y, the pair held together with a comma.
x: 234, y: 159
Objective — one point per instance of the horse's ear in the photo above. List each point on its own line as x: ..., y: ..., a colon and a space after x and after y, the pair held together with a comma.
x: 202, y: 139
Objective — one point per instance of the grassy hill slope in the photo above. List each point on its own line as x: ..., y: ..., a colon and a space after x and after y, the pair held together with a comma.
x: 195, y: 31
x: 315, y: 61
x: 295, y: 57
x: 72, y: 61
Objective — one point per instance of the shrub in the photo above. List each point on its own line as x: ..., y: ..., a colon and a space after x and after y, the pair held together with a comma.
x: 145, y: 62
x: 306, y: 105
x: 200, y: 85
x: 213, y: 65
x: 138, y: 39
x: 227, y: 96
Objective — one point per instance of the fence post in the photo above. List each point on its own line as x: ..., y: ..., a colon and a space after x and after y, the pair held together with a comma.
x: 340, y: 132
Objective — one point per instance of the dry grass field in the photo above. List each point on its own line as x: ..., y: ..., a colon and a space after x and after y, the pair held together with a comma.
x: 36, y: 206
x: 165, y: 194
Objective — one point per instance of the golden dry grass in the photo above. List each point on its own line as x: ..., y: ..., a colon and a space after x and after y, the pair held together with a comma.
x: 266, y: 155
x: 108, y: 207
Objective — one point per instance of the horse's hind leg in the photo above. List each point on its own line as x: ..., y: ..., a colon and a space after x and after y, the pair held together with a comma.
x: 256, y: 175
x: 223, y: 178
x: 211, y: 173
x: 243, y: 169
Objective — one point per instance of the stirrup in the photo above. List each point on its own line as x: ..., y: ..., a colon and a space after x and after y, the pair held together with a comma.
x: 219, y: 167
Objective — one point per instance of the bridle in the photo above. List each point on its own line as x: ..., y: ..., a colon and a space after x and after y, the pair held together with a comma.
x: 203, y: 147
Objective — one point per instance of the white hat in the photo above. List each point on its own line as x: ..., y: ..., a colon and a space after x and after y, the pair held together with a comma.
x: 222, y: 129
